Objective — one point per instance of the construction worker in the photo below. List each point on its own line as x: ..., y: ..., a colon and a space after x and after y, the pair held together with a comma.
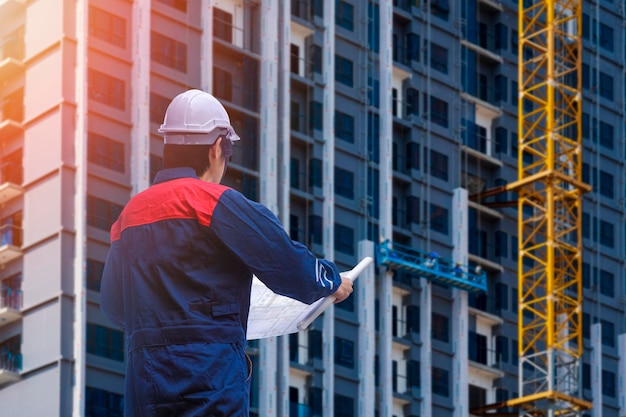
x: 179, y: 271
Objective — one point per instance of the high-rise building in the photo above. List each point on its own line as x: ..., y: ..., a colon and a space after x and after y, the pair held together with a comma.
x: 361, y: 121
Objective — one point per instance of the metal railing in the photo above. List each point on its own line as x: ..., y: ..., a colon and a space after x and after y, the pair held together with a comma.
x: 10, y: 361
x: 237, y: 36
x: 11, y: 298
x: 10, y: 235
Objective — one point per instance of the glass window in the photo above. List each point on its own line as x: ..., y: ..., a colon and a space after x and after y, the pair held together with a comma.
x: 607, y: 283
x: 315, y: 172
x: 606, y: 86
x: 344, y: 352
x: 439, y: 219
x: 102, y: 213
x: 440, y: 327
x: 94, y: 274
x: 168, y: 51
x: 105, y: 152
x: 344, y: 182
x: 345, y: 15
x: 441, y: 382
x: 438, y: 111
x: 607, y: 235
x: 105, y: 342
x: 607, y: 135
x: 344, y: 239
x: 177, y: 4
x: 344, y: 126
x: 222, y: 25
x: 344, y: 406
x: 315, y: 115
x: 438, y: 165
x: 106, y: 89
x: 99, y: 402
x: 107, y: 27
x: 608, y: 333
x: 343, y: 71
x: 608, y: 383
x: 438, y: 58
x: 606, y: 184
x: 606, y: 37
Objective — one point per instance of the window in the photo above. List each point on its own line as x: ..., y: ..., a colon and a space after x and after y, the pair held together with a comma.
x: 438, y: 219
x: 344, y: 406
x: 106, y: 89
x: 11, y: 230
x: 177, y: 4
x: 438, y: 58
x: 501, y: 89
x: 316, y: 58
x: 606, y: 86
x: 438, y: 111
x: 373, y: 130
x: 440, y: 327
x: 501, y: 140
x: 373, y: 92
x: 344, y: 352
x: 607, y: 283
x: 606, y: 184
x: 412, y: 101
x: 514, y: 352
x: 502, y: 349
x: 343, y: 70
x: 607, y: 135
x: 477, y: 396
x: 315, y: 172
x: 344, y: 239
x: 222, y: 84
x: 222, y: 25
x: 105, y: 152
x: 440, y: 9
x: 315, y: 115
x: 607, y: 235
x: 315, y: 229
x: 344, y: 126
x: 344, y: 182
x: 502, y: 295
x: 477, y: 344
x: 608, y: 383
x: 315, y: 344
x: 514, y: 94
x: 107, y: 27
x: 102, y: 213
x: 413, y: 47
x: 168, y: 52
x: 412, y: 319
x: 586, y: 376
x: 606, y: 37
x: 502, y: 37
x: 441, y: 382
x: 158, y: 106
x: 345, y: 15
x: 608, y: 333
x: 412, y: 155
x: 11, y: 292
x: 295, y: 59
x: 373, y: 26
x: 502, y: 246
x: 438, y: 165
x: 94, y: 274
x: 412, y: 210
x: 105, y: 342
x: 99, y: 402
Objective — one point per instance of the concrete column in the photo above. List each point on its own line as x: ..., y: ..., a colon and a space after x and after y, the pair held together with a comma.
x: 366, y: 290
x: 596, y: 369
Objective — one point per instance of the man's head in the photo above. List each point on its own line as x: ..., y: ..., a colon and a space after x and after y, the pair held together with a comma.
x: 198, y: 134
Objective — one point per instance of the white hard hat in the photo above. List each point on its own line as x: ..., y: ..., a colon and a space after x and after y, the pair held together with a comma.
x: 195, y: 117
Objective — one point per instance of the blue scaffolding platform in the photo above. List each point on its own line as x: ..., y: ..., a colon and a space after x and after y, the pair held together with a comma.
x: 430, y: 266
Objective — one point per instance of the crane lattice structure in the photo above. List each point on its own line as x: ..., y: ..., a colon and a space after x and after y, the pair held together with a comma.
x: 550, y: 193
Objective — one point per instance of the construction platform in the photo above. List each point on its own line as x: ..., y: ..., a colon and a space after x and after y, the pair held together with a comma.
x: 431, y: 266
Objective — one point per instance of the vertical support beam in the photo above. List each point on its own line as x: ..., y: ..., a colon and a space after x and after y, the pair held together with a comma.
x: 426, y: 365
x: 459, y: 307
x: 206, y: 46
x: 386, y: 182
x: 284, y: 155
x: 80, y: 205
x: 367, y: 333
x: 596, y: 369
x: 328, y: 205
x: 268, y: 348
x: 621, y: 373
x: 140, y: 98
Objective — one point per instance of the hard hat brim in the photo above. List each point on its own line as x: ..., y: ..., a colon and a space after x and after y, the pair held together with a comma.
x: 177, y: 138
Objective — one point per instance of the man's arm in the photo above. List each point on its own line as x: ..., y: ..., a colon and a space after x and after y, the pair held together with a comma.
x: 254, y: 234
x: 111, y: 294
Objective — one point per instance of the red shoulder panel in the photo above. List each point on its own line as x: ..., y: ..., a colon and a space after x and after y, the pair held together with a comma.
x: 185, y: 198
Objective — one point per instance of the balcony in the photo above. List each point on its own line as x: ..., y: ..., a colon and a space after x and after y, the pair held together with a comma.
x: 483, y: 361
x: 10, y: 305
x: 225, y: 33
x: 10, y: 366
x: 10, y: 243
x: 486, y: 308
x: 10, y: 182
x: 12, y: 53
x: 483, y: 252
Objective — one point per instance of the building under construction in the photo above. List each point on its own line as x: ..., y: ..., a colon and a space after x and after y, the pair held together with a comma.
x: 475, y: 148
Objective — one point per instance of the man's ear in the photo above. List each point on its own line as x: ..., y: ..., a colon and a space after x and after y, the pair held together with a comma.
x: 215, y: 151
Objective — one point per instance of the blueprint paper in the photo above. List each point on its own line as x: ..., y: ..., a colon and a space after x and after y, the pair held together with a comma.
x: 272, y: 314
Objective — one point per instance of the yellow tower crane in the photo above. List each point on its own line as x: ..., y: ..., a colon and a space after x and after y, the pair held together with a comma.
x: 550, y: 193
x: 549, y: 190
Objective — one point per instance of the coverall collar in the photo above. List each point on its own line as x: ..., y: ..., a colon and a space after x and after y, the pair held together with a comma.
x: 173, y: 174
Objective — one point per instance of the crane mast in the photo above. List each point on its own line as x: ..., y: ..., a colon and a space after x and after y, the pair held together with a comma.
x: 550, y: 191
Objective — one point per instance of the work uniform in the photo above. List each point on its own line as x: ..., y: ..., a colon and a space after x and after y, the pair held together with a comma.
x: 178, y: 280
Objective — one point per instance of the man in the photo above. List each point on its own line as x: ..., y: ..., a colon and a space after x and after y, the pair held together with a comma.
x: 179, y: 272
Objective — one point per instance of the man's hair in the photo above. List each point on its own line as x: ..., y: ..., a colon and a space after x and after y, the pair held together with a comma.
x: 192, y: 156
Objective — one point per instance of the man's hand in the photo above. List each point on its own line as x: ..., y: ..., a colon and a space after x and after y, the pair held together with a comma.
x: 344, y: 290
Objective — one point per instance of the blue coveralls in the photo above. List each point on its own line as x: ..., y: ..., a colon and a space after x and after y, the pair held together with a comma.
x: 178, y: 279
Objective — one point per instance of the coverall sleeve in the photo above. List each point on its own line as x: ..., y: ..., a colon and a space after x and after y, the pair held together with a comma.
x: 254, y: 234
x: 111, y: 294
